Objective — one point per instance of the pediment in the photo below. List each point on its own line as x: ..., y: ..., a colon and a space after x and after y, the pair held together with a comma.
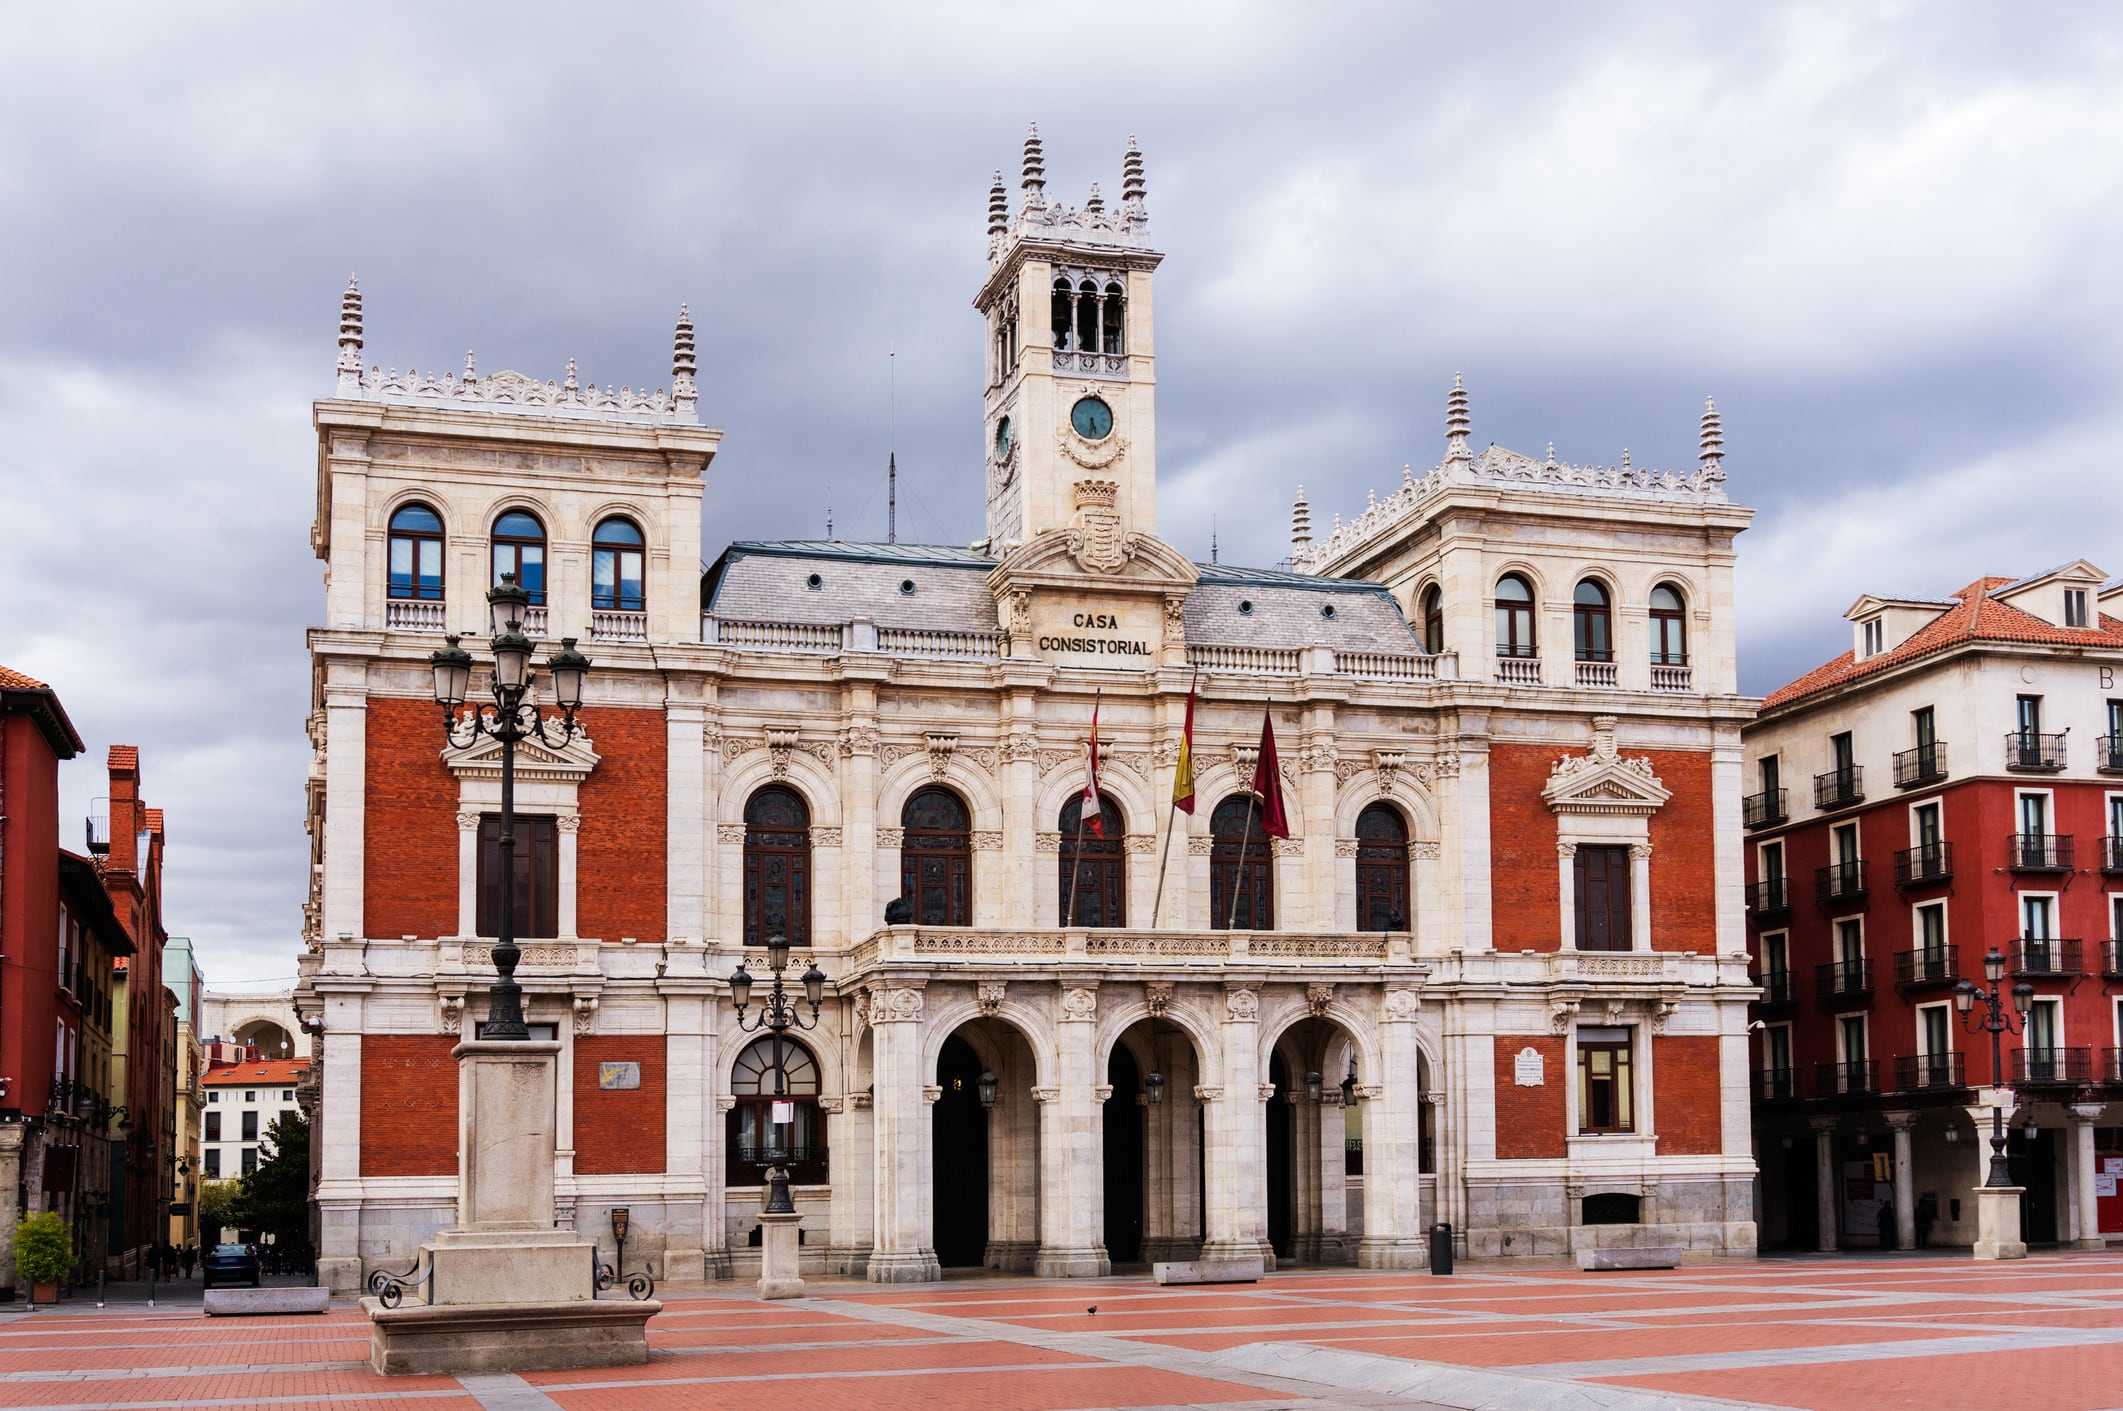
x: 1592, y: 783
x: 536, y: 761
x: 1148, y: 564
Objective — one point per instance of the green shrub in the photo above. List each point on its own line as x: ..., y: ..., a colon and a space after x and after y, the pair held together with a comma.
x: 44, y: 1252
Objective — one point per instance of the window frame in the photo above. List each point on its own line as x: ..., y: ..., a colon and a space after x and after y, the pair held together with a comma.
x: 1621, y: 1080
x: 1619, y: 913
x: 416, y: 540
x: 1592, y: 623
x: 759, y: 849
x: 500, y: 542
x: 953, y: 848
x: 533, y: 922
x: 1668, y: 627
x: 1225, y: 850
x: 1512, y: 614
x: 1091, y: 873
x: 615, y: 554
x: 1383, y: 863
x: 757, y: 1103
x: 1432, y: 604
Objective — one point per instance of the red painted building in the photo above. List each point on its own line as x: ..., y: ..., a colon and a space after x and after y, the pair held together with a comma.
x: 1951, y: 786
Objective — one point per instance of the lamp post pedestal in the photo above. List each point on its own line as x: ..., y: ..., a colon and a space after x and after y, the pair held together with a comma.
x: 778, y: 1254
x: 1998, y: 1223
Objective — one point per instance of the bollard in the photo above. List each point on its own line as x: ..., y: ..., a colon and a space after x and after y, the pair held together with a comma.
x: 99, y: 1288
x: 1441, y: 1248
x: 152, y: 1270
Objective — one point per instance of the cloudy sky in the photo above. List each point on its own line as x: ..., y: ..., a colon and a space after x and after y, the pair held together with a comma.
x: 1884, y: 236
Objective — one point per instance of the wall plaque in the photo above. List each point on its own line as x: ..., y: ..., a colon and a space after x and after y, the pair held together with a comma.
x: 1527, y: 1069
x: 615, y: 1076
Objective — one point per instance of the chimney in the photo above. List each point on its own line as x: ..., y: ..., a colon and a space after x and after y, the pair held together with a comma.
x: 126, y: 820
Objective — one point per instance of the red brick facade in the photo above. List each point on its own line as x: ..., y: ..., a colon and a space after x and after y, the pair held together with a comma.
x: 1684, y: 894
x: 408, y: 1105
x: 1689, y: 1097
x: 1525, y: 897
x: 409, y: 876
x: 619, y: 1130
x: 620, y: 853
x: 1529, y: 1121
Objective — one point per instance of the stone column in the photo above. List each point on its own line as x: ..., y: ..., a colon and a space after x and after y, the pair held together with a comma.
x: 860, y: 905
x: 1237, y: 1195
x: 1316, y: 788
x: 1640, y: 896
x: 1020, y: 791
x: 2086, y: 1232
x: 346, y: 715
x: 905, y: 1243
x: 1072, y: 1193
x: 848, y: 1208
x: 1333, y: 1177
x: 11, y: 1141
x: 1393, y: 1221
x: 1567, y: 879
x: 687, y: 853
x: 1303, y: 1117
x: 1171, y: 1148
x: 338, y: 1134
x: 1013, y: 1164
x: 1905, y: 1183
x: 1825, y: 1182
x: 1998, y: 1233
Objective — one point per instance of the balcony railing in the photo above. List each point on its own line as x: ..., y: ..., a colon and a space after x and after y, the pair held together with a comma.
x: 1914, y: 1072
x: 2045, y: 955
x: 2030, y: 749
x: 1518, y: 671
x: 1668, y: 677
x: 2112, y: 960
x: 2052, y: 1065
x: 1766, y: 809
x: 534, y: 622
x: 2111, y: 1066
x: 1776, y: 1084
x: 1843, y: 1079
x: 1843, y: 980
x: 1597, y: 673
x: 1839, y: 788
x: 1769, y: 896
x: 1926, y: 965
x: 616, y: 626
x: 1839, y: 882
x: 1926, y: 764
x: 411, y: 615
x: 1776, y: 987
x: 2039, y: 852
x: 2108, y: 754
x: 2112, y: 855
x: 1922, y: 866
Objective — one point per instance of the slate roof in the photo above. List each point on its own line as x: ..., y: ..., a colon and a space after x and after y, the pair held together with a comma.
x: 1975, y: 616
x: 1287, y: 611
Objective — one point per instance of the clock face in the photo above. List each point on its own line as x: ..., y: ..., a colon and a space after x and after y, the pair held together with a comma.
x: 1092, y: 418
x: 1002, y: 439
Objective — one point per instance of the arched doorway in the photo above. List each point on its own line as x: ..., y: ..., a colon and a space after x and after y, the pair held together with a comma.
x: 1310, y: 1159
x: 1124, y: 1121
x: 777, y: 866
x: 1381, y: 869
x: 960, y: 1156
x: 936, y: 858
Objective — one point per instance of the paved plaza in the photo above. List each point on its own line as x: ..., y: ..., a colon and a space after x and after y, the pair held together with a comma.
x: 1825, y: 1334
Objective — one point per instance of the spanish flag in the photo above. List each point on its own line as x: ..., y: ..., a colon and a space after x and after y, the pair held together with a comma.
x: 1089, y: 812
x: 1183, y: 777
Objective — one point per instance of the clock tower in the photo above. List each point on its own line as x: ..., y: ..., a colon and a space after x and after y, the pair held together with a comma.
x: 1071, y: 383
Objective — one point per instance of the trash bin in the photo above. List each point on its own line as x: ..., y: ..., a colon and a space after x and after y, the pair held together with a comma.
x: 1441, y: 1248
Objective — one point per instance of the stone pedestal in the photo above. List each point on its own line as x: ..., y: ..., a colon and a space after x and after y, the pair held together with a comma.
x: 506, y: 1292
x: 1998, y: 1223
x: 778, y: 1253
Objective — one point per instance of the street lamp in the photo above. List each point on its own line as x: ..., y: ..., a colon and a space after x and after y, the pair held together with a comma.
x: 511, y: 718
x: 1995, y: 1021
x: 778, y: 1015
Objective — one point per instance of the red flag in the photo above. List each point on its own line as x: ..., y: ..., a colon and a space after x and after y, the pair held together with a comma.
x: 1089, y: 814
x: 1268, y: 783
x: 1183, y: 777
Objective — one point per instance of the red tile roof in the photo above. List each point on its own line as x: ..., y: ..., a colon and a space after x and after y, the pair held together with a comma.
x: 41, y: 703
x: 1974, y: 617
x: 265, y: 1073
x: 125, y: 757
x: 15, y: 681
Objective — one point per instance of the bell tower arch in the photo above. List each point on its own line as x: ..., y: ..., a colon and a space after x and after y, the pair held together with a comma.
x: 1070, y: 404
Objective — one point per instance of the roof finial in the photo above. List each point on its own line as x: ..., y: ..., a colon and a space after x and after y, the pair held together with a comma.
x: 1551, y: 453
x: 1132, y: 187
x: 1035, y: 178
x: 571, y: 386
x: 349, y: 366
x: 998, y: 206
x: 1712, y: 453
x: 1094, y: 203
x: 1625, y: 460
x: 1407, y: 476
x: 685, y: 392
x: 1300, y: 523
x: 1457, y: 422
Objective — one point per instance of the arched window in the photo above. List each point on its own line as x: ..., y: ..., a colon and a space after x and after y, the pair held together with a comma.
x: 1433, y: 619
x: 1093, y: 874
x: 936, y: 858
x: 1230, y: 835
x: 777, y: 866
x: 1669, y: 627
x: 1116, y: 320
x: 1381, y: 869
x: 1593, y: 622
x: 1064, y: 315
x: 1087, y: 307
x: 519, y: 549
x: 615, y: 567
x: 771, y: 1070
x: 1514, y: 617
x: 416, y: 554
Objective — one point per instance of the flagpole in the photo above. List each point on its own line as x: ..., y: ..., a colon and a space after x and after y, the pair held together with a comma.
x: 1157, y: 904
x: 1232, y: 924
x: 1164, y: 860
x: 1076, y: 852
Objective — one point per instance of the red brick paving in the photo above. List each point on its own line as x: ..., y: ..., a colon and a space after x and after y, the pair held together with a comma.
x: 1091, y: 1386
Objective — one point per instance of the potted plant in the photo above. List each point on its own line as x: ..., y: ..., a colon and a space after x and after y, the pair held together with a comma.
x: 44, y: 1255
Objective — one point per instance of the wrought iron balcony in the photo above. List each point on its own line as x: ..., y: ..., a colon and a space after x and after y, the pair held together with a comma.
x: 1914, y: 1072
x: 1766, y: 809
x: 2111, y: 1066
x: 2030, y: 749
x: 2112, y: 960
x: 1922, y: 866
x: 1776, y: 1084
x: 2052, y: 1065
x: 1839, y: 788
x: 1844, y: 1079
x: 2112, y: 855
x: 1926, y: 965
x: 2040, y: 956
x: 1776, y: 987
x: 1769, y: 897
x: 1926, y: 764
x: 1839, y: 882
x: 1839, y: 982
x: 2039, y: 852
x: 2108, y: 754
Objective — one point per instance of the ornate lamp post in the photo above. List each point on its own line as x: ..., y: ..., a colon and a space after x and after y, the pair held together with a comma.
x: 1996, y: 1021
x: 777, y: 1016
x: 511, y: 718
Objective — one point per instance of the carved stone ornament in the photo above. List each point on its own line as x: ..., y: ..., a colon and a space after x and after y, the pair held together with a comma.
x: 1602, y: 781
x: 891, y: 837
x: 1317, y: 998
x: 1021, y: 748
x: 1429, y: 850
x: 825, y: 837
x: 899, y: 1005
x: 585, y: 1013
x: 1200, y: 847
x: 1242, y: 1004
x: 729, y: 832
x: 987, y: 842
x: 1097, y: 542
x: 931, y: 1093
x: 1617, y: 1010
x: 1662, y: 1012
x: 781, y: 744
x: 941, y: 748
x: 1286, y: 847
x: 1208, y: 1092
x: 1345, y: 847
x: 1402, y: 1004
x: 1447, y: 766
x: 1560, y: 1013
x: 467, y: 822
x: 991, y: 996
x: 1080, y: 1004
x: 1020, y: 620
x: 735, y: 747
x: 1046, y: 842
x: 1265, y: 1091
x: 859, y: 740
x: 569, y: 823
x: 1103, y: 1093
x: 833, y: 1105
x: 1175, y: 618
x: 1139, y: 843
x: 1565, y: 849
x: 1347, y: 769
x: 1389, y: 764
x: 1158, y: 997
x: 1369, y: 1092
x: 1045, y: 1095
x: 452, y: 1012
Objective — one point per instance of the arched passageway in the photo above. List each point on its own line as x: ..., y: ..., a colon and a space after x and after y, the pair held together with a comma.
x: 986, y: 1149
x: 1124, y: 1119
x: 1155, y: 1157
x: 1309, y: 1155
x: 960, y: 1155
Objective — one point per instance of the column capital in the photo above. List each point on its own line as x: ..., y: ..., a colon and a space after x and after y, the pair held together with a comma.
x: 1045, y: 1095
x: 1208, y: 1092
x: 832, y: 1104
x: 1900, y: 1121
x: 931, y: 1092
x: 2083, y: 1114
x: 1822, y: 1126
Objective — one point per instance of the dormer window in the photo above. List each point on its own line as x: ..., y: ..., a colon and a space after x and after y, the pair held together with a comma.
x: 1875, y: 630
x: 2075, y: 608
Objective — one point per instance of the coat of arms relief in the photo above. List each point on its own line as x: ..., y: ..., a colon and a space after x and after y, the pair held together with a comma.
x: 1096, y: 538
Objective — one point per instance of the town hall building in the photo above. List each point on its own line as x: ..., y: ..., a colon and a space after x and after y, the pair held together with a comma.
x: 1496, y: 975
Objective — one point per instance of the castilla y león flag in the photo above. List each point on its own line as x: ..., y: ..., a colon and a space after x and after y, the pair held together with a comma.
x: 1268, y: 784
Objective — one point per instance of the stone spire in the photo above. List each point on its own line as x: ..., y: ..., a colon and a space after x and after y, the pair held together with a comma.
x: 1457, y: 422
x: 1300, y: 524
x: 350, y: 339
x: 1712, y: 453
x: 1132, y: 188
x: 685, y: 393
x: 1094, y: 203
x: 1035, y: 180
x: 998, y: 206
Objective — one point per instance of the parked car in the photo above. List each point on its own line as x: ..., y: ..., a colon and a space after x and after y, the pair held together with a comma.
x: 231, y: 1264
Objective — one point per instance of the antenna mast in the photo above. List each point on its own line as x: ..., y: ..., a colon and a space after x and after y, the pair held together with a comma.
x: 891, y: 455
